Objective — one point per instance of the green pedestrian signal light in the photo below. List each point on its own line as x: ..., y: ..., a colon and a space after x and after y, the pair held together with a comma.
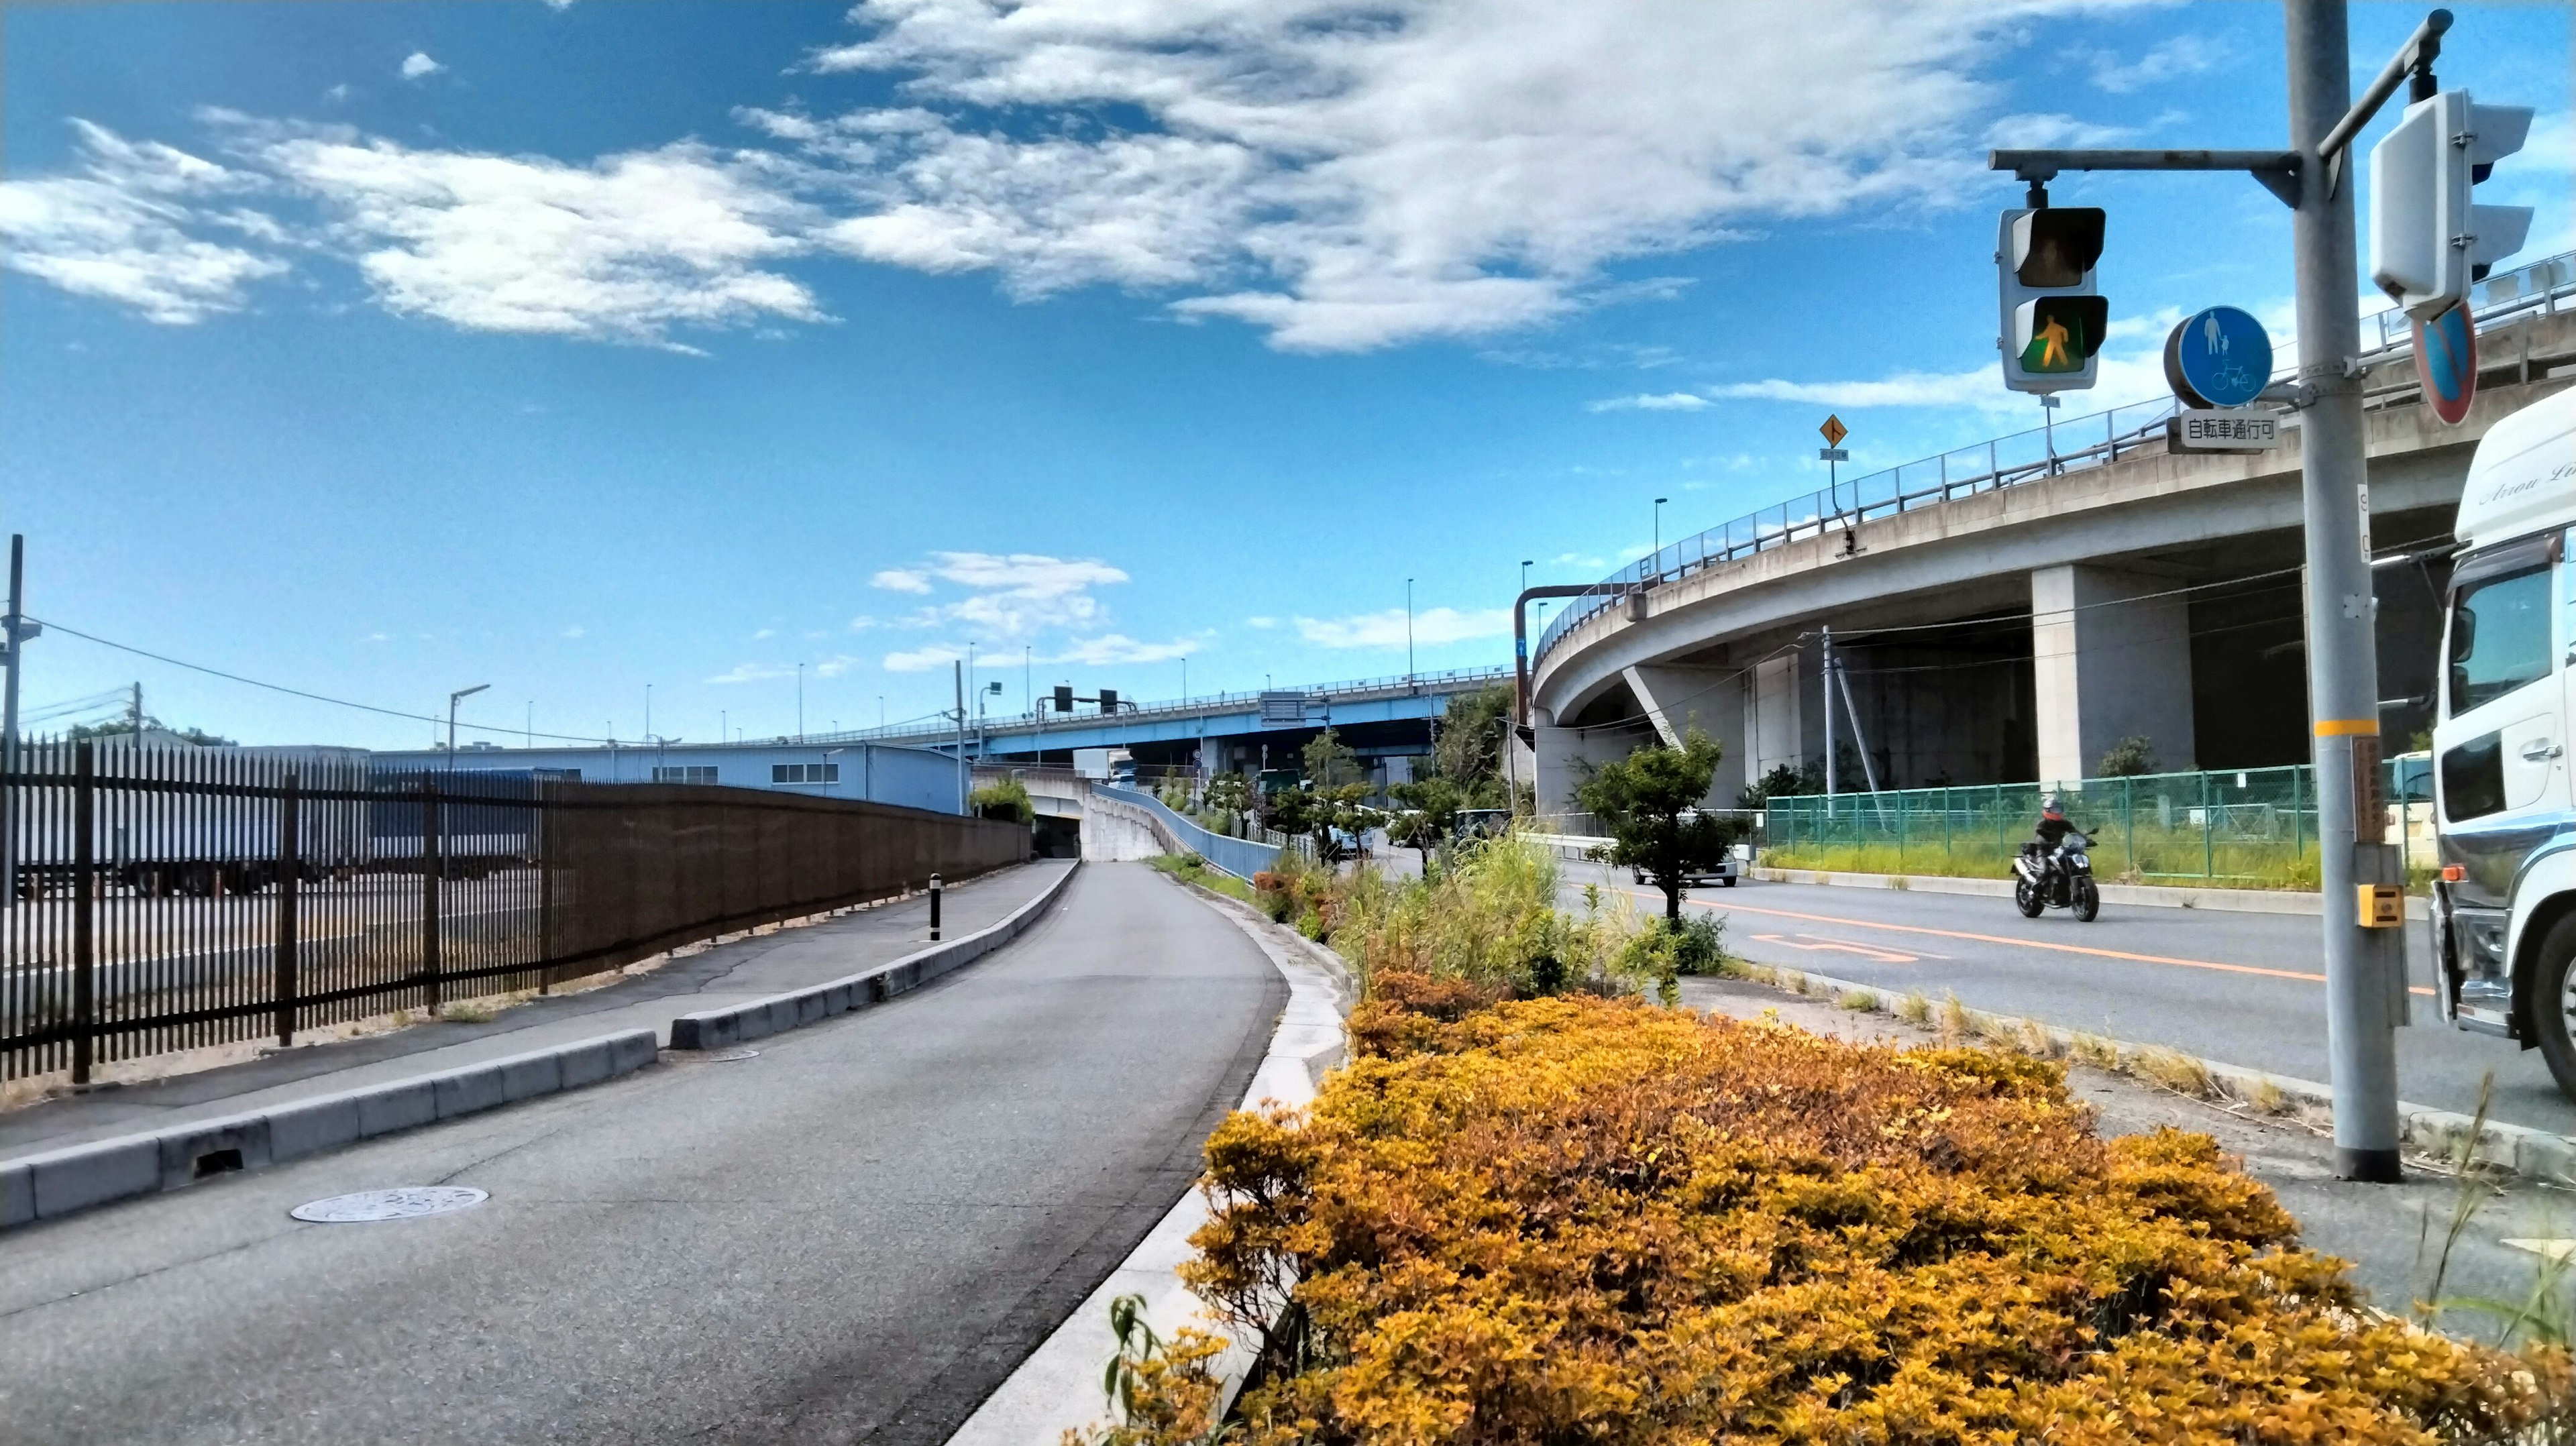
x: 2057, y: 335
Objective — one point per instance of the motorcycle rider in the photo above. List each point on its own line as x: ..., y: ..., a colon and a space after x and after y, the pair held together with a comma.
x: 2051, y: 833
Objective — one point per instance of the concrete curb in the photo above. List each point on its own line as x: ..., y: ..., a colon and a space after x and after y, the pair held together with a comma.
x: 2434, y: 1134
x: 56, y: 1183
x: 779, y: 1013
x: 1057, y: 1389
x: 2223, y: 901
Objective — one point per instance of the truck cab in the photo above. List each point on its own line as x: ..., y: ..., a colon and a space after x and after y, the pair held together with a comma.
x: 2503, y: 911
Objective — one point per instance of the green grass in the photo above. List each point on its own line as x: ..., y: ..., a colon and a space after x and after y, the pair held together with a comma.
x: 1191, y: 869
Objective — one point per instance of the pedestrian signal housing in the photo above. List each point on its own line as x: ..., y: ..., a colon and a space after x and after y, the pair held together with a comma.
x: 2052, y: 319
x: 2428, y: 243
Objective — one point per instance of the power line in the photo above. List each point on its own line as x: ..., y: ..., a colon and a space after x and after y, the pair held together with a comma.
x: 302, y: 693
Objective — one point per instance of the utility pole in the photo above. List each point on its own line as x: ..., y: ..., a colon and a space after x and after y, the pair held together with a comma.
x: 452, y: 700
x: 1829, y: 722
x: 134, y: 713
x: 960, y: 665
x: 2364, y: 973
x: 1408, y: 633
x: 648, y: 710
x: 15, y: 630
x: 800, y: 702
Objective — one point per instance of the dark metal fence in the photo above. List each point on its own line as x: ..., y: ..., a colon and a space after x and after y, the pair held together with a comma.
x: 160, y: 900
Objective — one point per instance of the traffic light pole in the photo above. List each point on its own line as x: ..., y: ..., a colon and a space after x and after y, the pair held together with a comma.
x: 2364, y: 975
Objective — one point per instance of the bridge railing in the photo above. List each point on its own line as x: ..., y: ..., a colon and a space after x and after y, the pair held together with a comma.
x: 2543, y: 287
x: 1447, y: 680
x: 1241, y: 857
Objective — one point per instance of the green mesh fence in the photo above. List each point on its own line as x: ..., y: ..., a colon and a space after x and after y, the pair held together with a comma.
x: 2254, y: 827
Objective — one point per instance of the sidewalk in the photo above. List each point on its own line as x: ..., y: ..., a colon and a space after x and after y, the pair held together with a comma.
x: 736, y: 972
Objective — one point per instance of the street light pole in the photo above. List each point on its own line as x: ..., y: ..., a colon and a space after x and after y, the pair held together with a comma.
x: 452, y: 700
x: 1408, y: 632
x: 800, y: 702
x: 1659, y: 531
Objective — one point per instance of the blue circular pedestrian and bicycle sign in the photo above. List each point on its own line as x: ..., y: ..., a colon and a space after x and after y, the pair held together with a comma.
x: 2220, y: 357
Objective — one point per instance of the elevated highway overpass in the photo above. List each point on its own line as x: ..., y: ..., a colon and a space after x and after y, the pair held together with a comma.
x: 2002, y: 617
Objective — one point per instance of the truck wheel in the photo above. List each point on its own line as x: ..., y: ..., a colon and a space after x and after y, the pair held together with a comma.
x: 2546, y: 1008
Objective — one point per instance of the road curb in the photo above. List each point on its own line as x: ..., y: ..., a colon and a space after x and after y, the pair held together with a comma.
x: 1057, y: 1389
x: 2443, y: 1135
x: 55, y: 1183
x: 2221, y: 901
x: 779, y: 1013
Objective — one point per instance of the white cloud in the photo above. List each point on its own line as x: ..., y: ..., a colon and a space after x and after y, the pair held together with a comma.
x: 924, y: 659
x: 622, y: 249
x: 1015, y: 595
x: 418, y: 64
x: 2052, y: 130
x: 1110, y: 648
x: 337, y: 93
x: 754, y: 673
x: 764, y: 633
x: 1261, y: 622
x: 902, y: 579
x: 1387, y: 629
x: 1650, y: 402
x: 836, y: 665
x: 1350, y: 179
x: 2183, y: 55
x: 120, y: 230
x: 576, y: 631
x: 862, y: 623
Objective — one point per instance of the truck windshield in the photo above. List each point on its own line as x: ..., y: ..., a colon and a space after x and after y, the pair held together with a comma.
x: 2499, y: 635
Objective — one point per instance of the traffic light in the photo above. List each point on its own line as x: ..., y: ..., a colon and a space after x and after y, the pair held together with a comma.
x: 1064, y: 697
x: 2052, y: 320
x: 2428, y: 244
x: 1108, y: 700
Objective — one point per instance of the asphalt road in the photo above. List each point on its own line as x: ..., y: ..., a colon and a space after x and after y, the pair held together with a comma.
x: 855, y: 1235
x: 2248, y: 989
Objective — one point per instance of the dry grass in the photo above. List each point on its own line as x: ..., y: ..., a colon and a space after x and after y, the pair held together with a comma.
x: 2099, y: 1051
x: 2268, y: 1097
x: 2173, y: 1070
x: 1859, y: 1001
x: 1914, y: 1008
x: 1793, y: 981
x: 1955, y: 1021
x: 2035, y: 1040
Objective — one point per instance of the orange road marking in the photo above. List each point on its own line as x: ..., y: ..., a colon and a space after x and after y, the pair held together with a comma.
x: 2021, y: 943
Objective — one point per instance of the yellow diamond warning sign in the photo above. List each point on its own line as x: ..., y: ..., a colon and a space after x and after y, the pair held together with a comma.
x: 1834, y: 431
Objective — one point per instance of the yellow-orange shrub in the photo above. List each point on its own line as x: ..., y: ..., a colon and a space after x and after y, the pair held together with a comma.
x: 1579, y: 1220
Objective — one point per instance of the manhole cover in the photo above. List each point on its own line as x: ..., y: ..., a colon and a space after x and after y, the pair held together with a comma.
x: 400, y: 1203
x: 707, y: 1056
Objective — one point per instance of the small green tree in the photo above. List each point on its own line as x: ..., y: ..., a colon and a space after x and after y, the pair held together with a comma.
x: 1227, y: 795
x: 1467, y: 746
x: 1005, y: 799
x: 1331, y: 763
x: 1783, y: 781
x: 1431, y: 816
x: 2130, y: 757
x: 1651, y: 801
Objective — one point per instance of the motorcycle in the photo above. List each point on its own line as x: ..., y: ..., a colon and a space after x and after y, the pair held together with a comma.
x: 2060, y: 878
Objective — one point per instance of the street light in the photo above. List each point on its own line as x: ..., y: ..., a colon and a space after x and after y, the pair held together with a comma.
x: 1659, y: 529
x: 1525, y: 567
x: 452, y: 700
x: 1408, y: 632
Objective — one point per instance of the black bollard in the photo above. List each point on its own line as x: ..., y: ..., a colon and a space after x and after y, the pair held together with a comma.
x: 934, y: 908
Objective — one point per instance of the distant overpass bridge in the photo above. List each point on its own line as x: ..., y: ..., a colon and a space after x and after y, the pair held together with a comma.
x: 1382, y: 718
x: 2005, y: 612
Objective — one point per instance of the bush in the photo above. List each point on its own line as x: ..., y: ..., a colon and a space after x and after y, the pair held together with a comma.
x: 1490, y: 919
x: 1004, y: 799
x: 1581, y: 1220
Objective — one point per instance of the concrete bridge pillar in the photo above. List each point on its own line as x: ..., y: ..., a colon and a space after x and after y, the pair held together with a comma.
x: 2108, y: 662
x: 1563, y: 753
x: 1772, y: 730
x: 1679, y: 698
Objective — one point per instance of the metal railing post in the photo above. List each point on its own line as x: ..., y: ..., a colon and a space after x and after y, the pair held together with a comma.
x: 541, y: 824
x: 290, y: 870
x: 430, y: 869
x: 84, y: 913
x: 2208, y: 822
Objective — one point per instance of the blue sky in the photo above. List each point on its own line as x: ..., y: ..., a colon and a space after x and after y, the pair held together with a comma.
x: 381, y: 349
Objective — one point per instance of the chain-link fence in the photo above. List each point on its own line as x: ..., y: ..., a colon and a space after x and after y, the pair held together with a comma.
x: 2246, y: 828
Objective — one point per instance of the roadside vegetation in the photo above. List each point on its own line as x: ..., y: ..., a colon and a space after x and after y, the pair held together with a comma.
x: 2175, y: 861
x: 1004, y: 799
x: 1191, y: 869
x: 1577, y: 1218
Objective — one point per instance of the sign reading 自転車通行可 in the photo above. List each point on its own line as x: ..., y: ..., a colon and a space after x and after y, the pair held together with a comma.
x: 2230, y: 430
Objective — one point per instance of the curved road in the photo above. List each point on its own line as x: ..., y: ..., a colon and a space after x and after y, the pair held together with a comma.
x: 854, y: 1236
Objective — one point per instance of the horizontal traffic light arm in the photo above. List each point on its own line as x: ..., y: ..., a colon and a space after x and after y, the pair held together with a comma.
x: 2277, y: 170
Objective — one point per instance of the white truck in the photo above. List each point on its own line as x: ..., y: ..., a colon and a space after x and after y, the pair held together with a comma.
x: 2503, y: 911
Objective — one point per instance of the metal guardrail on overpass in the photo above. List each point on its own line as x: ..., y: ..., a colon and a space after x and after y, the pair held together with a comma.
x: 1241, y: 857
x: 1394, y: 685
x: 2541, y: 288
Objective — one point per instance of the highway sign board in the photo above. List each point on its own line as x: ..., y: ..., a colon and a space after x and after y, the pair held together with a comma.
x: 2446, y: 362
x: 1833, y: 454
x: 2243, y: 429
x: 1834, y: 430
x: 1282, y: 708
x: 2220, y: 357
